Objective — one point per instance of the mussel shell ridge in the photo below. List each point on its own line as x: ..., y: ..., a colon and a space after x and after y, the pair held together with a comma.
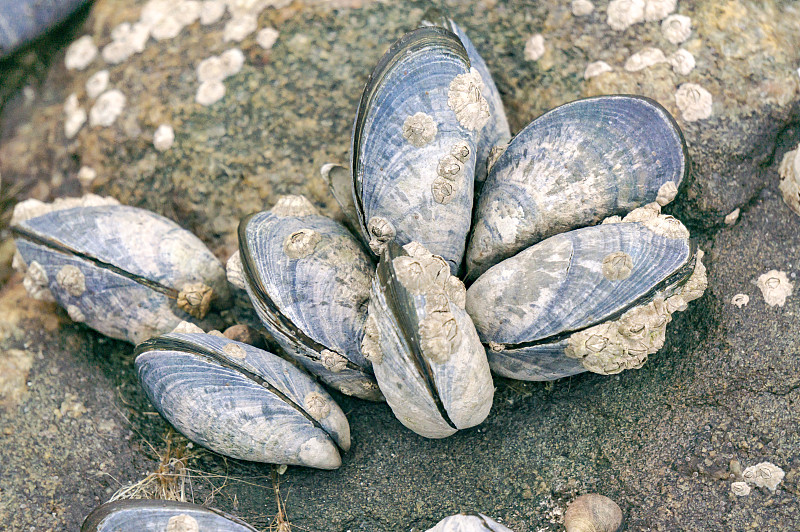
x: 414, y: 145
x: 242, y: 402
x: 308, y: 279
x: 146, y: 515
x: 573, y: 167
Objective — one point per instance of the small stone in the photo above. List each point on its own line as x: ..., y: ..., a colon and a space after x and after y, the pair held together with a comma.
x: 732, y: 217
x: 86, y: 175
x: 210, y: 92
x: 682, y: 62
x: 211, y: 11
x: 80, y: 53
x: 676, y: 28
x: 596, y: 68
x: 239, y: 27
x: 163, y: 137
x: 534, y: 48
x: 187, y: 327
x: 581, y: 8
x: 107, y: 108
x: 647, y: 57
x: 740, y: 300
x: 775, y: 287
x: 244, y: 334
x: 97, y: 84
x: 267, y: 37
x: 624, y: 13
x: 694, y: 102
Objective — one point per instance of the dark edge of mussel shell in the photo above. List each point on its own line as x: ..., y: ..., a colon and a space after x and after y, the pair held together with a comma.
x: 94, y: 519
x: 283, y: 323
x: 397, y: 297
x: 678, y: 278
x: 167, y: 343
x: 414, y: 39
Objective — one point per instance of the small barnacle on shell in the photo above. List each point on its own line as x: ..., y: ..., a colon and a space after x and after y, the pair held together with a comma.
x: 617, y: 266
x: 301, y: 244
x: 234, y: 350
x: 647, y: 57
x: 293, y: 206
x: 267, y: 37
x: 534, y: 47
x: 36, y: 283
x: 80, y: 53
x: 71, y: 279
x: 667, y: 193
x: 333, y: 361
x: 443, y: 190
x: 682, y: 62
x: 195, y: 299
x: 182, y: 523
x: 789, y: 186
x: 210, y: 92
x: 316, y: 405
x: 456, y: 291
x: 658, y: 9
x: 581, y: 8
x: 676, y: 28
x: 380, y: 231
x: 740, y: 489
x: 437, y: 333
x: 775, y: 286
x: 97, y: 84
x: 419, y: 129
x: 624, y: 13
x: 595, y: 69
x: 107, y: 108
x: 764, y: 475
x: 163, y: 137
x: 740, y: 300
x: 592, y: 513
x: 694, y: 102
x: 75, y: 314
x: 371, y: 344
x: 466, y: 100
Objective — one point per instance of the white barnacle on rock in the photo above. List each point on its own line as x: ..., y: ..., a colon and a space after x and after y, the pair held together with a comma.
x: 234, y: 350
x: 534, y: 47
x: 301, y: 244
x: 624, y: 13
x: 107, y: 108
x: 732, y: 216
x: 658, y: 9
x: 71, y: 279
x: 187, y: 11
x: 595, y: 69
x: 775, y: 286
x: 182, y: 523
x: 74, y: 116
x: 467, y: 101
x: 764, y: 475
x: 80, y: 53
x: 163, y: 137
x: 740, y: 300
x: 316, y: 405
x: 645, y: 58
x: 239, y: 27
x: 267, y: 37
x: 419, y: 129
x: 694, y: 102
x: 789, y: 186
x: 682, y: 62
x: 740, y: 489
x: 97, y: 84
x: 581, y: 8
x: 667, y: 193
x: 211, y: 11
x: 676, y: 28
x: 210, y: 92
x: 116, y: 52
x: 232, y: 61
x: 211, y: 69
x: 167, y: 28
x: 234, y: 271
x: 127, y: 39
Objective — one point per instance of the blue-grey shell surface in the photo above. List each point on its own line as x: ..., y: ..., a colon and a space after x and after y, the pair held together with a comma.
x: 22, y: 21
x: 426, y: 354
x: 242, y: 402
x: 468, y: 523
x: 496, y: 132
x: 144, y: 515
x: 308, y: 279
x: 574, y: 166
x: 528, y: 308
x: 130, y: 265
x: 414, y: 141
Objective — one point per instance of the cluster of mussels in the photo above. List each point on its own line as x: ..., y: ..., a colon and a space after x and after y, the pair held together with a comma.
x: 377, y: 308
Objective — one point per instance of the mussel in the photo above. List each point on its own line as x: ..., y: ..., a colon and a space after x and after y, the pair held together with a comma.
x: 597, y: 298
x: 308, y: 279
x: 426, y: 354
x: 469, y: 522
x: 126, y: 272
x: 414, y: 145
x: 572, y: 167
x: 242, y: 402
x: 146, y: 515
